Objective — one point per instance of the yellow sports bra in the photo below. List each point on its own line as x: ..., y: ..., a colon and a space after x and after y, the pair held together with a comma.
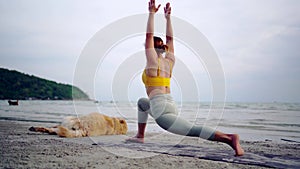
x: 157, y: 81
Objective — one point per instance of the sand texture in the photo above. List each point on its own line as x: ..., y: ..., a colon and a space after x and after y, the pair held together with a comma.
x: 21, y: 148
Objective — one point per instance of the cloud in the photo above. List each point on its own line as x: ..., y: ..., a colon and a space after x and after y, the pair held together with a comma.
x: 43, y: 38
x: 257, y: 44
x: 256, y: 41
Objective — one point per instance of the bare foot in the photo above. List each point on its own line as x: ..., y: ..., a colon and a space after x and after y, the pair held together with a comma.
x: 135, y: 140
x: 235, y: 144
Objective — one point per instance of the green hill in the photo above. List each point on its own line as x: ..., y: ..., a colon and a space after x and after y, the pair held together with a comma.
x: 20, y: 86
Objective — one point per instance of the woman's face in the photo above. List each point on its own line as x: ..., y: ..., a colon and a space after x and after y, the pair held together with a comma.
x: 160, y: 47
x: 158, y: 44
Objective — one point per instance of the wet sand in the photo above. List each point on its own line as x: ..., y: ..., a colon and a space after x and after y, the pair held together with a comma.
x: 21, y: 148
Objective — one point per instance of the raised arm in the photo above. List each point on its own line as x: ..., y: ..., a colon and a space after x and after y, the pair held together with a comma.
x: 149, y: 45
x: 169, y: 33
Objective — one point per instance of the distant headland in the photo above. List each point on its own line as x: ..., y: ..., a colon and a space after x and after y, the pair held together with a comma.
x: 15, y: 85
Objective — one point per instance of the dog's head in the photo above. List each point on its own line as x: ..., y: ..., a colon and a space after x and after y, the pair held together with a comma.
x: 120, y: 126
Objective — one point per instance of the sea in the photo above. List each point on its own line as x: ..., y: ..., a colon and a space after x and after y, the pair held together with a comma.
x: 278, y: 122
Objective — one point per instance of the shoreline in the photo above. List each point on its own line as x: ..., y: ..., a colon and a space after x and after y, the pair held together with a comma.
x: 24, y: 149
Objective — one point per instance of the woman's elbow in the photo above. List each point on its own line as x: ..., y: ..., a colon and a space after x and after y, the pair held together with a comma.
x: 149, y: 35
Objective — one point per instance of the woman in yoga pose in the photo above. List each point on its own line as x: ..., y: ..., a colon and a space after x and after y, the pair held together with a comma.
x: 160, y: 104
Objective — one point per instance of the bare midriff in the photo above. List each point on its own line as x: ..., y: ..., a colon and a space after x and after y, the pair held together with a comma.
x: 156, y: 90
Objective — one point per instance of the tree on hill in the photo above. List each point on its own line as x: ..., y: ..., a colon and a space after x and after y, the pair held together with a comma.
x: 20, y: 86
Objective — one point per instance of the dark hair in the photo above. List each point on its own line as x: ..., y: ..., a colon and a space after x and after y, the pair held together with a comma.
x: 162, y: 48
x: 155, y: 38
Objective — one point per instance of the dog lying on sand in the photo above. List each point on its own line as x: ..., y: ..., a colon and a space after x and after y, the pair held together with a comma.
x: 93, y: 124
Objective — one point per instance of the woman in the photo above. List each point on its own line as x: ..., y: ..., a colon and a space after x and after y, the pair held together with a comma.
x: 160, y: 104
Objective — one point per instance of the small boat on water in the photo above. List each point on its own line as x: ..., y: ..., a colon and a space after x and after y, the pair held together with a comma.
x: 13, y: 102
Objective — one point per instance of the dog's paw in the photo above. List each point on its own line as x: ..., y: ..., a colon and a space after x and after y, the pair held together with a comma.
x: 31, y: 129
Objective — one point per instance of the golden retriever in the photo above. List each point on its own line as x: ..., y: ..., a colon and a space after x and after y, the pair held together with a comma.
x: 93, y: 124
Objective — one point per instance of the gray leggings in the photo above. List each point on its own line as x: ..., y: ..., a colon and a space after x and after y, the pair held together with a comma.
x: 163, y: 109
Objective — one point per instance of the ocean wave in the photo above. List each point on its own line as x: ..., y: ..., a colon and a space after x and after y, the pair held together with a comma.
x: 276, y: 124
x: 28, y: 120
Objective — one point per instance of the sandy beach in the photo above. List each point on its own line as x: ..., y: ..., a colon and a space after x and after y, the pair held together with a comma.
x: 21, y: 148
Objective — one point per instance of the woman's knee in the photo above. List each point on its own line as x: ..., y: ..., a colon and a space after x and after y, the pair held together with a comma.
x: 143, y: 104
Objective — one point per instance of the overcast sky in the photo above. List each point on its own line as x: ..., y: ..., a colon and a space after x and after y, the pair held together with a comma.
x: 257, y: 41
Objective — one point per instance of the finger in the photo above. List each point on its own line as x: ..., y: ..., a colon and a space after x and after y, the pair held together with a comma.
x: 158, y: 7
x: 168, y: 5
x: 167, y: 10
